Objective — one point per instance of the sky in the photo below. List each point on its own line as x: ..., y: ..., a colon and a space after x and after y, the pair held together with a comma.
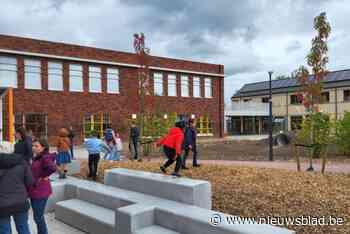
x: 249, y: 37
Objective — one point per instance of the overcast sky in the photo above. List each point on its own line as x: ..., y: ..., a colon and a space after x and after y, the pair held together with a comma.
x: 248, y: 37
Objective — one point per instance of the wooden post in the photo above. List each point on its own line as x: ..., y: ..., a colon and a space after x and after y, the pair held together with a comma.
x: 11, y: 116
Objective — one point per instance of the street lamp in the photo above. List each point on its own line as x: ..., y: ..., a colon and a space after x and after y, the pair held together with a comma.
x: 270, y: 118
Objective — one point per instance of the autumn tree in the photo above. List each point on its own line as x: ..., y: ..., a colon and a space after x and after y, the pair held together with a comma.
x: 311, y: 82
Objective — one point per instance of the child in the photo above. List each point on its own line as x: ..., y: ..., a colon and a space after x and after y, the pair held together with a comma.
x: 172, y: 144
x: 119, y: 144
x: 63, y: 156
x: 94, y: 148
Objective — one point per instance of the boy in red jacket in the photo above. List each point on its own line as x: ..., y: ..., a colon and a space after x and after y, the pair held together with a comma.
x: 172, y: 145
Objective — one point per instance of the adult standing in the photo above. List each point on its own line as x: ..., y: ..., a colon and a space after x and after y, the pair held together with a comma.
x: 134, y: 139
x: 15, y: 176
x: 71, y: 136
x: 94, y: 147
x: 23, y: 145
x: 172, y: 144
x: 190, y: 144
x: 63, y: 156
x: 42, y: 167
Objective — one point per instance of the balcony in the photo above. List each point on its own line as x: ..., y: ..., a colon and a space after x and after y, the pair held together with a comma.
x: 247, y: 109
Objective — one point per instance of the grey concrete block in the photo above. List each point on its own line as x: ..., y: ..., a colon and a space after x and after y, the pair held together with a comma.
x: 131, y: 218
x: 58, y: 194
x: 86, y: 216
x: 184, y: 190
x: 155, y: 230
x: 101, y: 198
x: 73, y: 167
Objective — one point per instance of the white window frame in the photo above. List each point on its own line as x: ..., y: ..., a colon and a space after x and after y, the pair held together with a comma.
x: 113, y: 80
x: 208, y: 87
x: 158, y: 84
x: 197, y: 87
x: 172, y: 85
x: 185, y: 89
x: 30, y: 65
x: 55, y: 76
x: 75, y: 73
x: 8, y: 65
x: 95, y: 75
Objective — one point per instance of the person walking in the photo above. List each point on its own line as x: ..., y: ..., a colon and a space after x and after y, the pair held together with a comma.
x: 42, y: 167
x: 15, y: 176
x: 172, y: 144
x: 71, y: 136
x: 134, y: 140
x: 63, y: 156
x: 190, y: 144
x: 94, y: 147
x: 23, y: 145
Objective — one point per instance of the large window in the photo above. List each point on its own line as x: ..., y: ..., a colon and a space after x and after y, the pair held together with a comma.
x: 8, y: 72
x: 112, y: 80
x: 95, y: 79
x: 325, y: 97
x: 204, y: 126
x: 76, y: 78
x: 296, y: 122
x: 33, y: 122
x: 172, y: 85
x: 346, y: 95
x: 196, y: 87
x: 96, y: 122
x: 295, y: 100
x: 184, y: 86
x: 32, y: 74
x: 158, y: 84
x: 208, y: 88
x: 55, y: 75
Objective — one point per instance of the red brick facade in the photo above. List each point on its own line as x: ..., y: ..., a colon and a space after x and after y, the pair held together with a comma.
x: 65, y: 108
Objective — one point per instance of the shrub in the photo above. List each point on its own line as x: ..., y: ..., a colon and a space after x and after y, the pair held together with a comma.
x: 343, y: 134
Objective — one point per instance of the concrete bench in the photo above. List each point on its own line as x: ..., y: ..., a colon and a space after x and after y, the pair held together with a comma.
x: 184, y: 190
x: 132, y: 212
x: 86, y: 216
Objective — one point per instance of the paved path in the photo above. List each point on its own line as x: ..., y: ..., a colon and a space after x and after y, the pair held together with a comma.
x: 333, y: 167
x: 54, y: 226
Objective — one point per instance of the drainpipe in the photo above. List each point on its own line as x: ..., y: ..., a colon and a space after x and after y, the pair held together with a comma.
x: 11, y: 116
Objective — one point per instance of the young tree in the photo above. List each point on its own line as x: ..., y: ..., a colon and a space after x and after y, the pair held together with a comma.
x: 311, y: 86
x: 143, y: 77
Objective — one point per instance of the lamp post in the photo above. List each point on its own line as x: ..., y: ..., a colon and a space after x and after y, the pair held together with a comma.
x: 270, y: 118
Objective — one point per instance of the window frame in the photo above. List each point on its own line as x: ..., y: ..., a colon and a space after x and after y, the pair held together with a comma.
x: 207, y: 89
x: 27, y: 72
x: 110, y: 79
x: 55, y: 75
x: 197, y: 87
x: 73, y: 74
x: 185, y: 86
x: 5, y: 67
x: 172, y: 85
x: 93, y: 69
x: 158, y: 84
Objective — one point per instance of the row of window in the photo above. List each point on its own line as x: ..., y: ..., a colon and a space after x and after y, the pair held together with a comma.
x: 185, y: 91
x: 33, y: 78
